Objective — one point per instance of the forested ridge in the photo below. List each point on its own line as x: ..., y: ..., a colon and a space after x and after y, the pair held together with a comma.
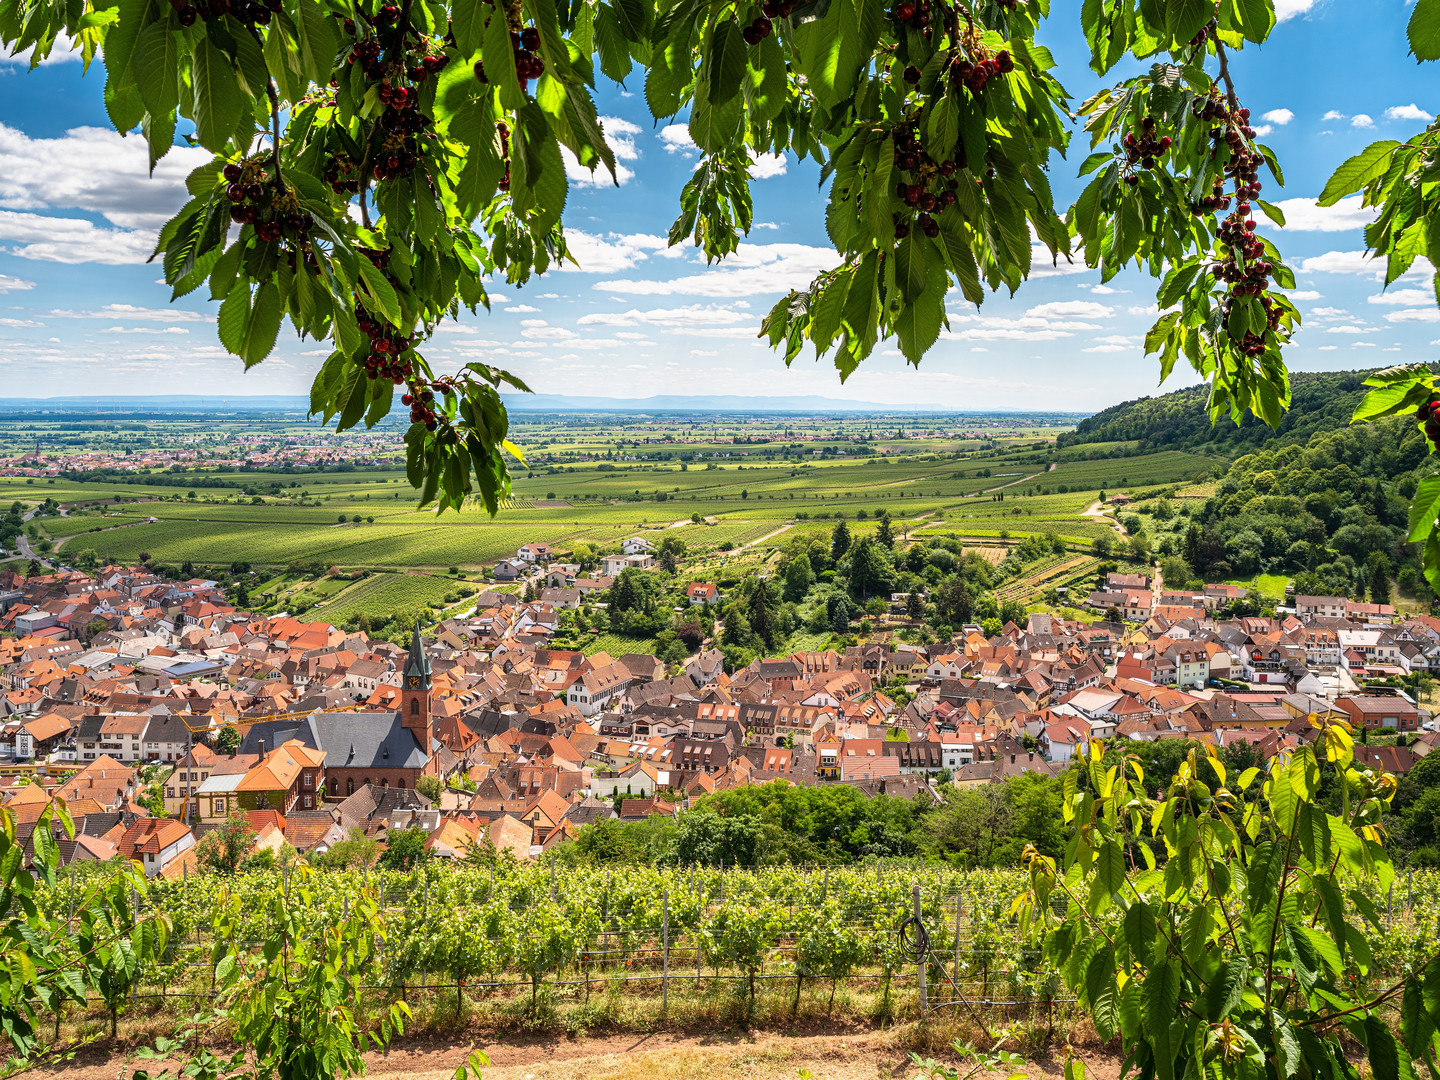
x: 1321, y: 401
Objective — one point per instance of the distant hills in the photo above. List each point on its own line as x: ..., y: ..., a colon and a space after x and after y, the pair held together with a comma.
x: 1319, y: 401
x: 733, y: 403
x: 724, y: 403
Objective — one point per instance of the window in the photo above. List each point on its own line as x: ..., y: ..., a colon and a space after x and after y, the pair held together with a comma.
x: 170, y: 792
x: 219, y: 806
x: 414, y: 706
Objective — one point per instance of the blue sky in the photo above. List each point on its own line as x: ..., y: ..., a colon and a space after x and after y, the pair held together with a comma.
x: 81, y: 313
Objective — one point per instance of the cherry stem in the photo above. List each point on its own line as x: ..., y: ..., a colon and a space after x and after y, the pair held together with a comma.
x: 275, y: 122
x: 273, y: 94
x: 365, y: 173
x: 1225, y: 74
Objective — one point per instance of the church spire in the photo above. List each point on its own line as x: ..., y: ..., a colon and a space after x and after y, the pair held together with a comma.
x: 417, y: 664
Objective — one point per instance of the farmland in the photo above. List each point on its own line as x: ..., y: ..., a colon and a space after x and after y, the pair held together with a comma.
x: 719, y: 484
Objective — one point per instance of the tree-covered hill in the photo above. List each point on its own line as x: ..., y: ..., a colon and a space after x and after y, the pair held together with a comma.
x: 1320, y: 401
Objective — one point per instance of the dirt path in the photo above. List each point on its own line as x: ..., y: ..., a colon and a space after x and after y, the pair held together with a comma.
x: 1096, y: 510
x: 1001, y: 487
x: 783, y: 528
x: 832, y: 1055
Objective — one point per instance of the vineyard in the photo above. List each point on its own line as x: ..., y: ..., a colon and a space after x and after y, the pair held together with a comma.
x: 1050, y: 573
x: 509, y: 936
x: 382, y: 595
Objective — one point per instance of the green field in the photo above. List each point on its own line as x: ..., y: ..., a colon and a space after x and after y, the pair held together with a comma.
x: 382, y: 595
x: 720, y: 485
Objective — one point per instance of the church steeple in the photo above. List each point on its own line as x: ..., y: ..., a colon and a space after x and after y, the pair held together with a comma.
x: 417, y: 664
x: 415, y: 697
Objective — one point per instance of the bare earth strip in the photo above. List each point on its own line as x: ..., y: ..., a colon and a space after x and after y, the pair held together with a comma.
x: 836, y: 1055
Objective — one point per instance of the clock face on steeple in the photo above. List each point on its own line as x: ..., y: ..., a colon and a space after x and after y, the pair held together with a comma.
x: 414, y: 682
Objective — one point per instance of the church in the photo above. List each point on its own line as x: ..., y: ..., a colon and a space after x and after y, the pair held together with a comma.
x: 387, y: 749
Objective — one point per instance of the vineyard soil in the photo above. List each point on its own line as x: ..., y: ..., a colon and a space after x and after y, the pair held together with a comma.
x: 827, y: 1052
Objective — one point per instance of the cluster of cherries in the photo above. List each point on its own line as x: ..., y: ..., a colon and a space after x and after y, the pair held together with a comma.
x: 930, y: 189
x: 247, y: 12
x: 778, y: 9
x: 912, y: 11
x: 525, y: 44
x: 422, y: 406
x: 400, y: 123
x: 758, y: 30
x: 974, y: 74
x: 338, y: 172
x: 1244, y: 266
x: 255, y: 201
x: 399, y: 152
x: 386, y: 358
x: 1142, y: 151
x: 1430, y: 417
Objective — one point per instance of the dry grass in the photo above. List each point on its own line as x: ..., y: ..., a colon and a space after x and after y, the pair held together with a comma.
x: 993, y: 555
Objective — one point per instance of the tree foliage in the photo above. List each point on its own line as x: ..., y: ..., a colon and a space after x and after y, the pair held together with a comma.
x: 374, y: 163
x: 1241, y: 953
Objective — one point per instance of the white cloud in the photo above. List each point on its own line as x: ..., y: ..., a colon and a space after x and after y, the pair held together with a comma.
x: 63, y: 52
x: 94, y: 169
x: 1043, y: 264
x: 1006, y: 334
x: 609, y: 254
x: 1080, y: 309
x: 765, y: 166
x: 1408, y: 112
x: 519, y: 309
x: 1342, y: 262
x: 1288, y: 9
x: 14, y: 284
x: 149, y: 330
x: 1329, y: 313
x: 1332, y: 115
x: 620, y: 134
x: 1411, y: 315
x: 1350, y: 330
x: 533, y: 322
x: 1405, y: 298
x: 1107, y: 348
x: 1279, y: 117
x: 1306, y: 215
x: 598, y: 177
x: 1361, y: 120
x: 132, y: 313
x: 1304, y: 294
x: 72, y: 240
x: 1263, y: 130
x: 677, y: 140
x: 752, y: 269
x: 692, y: 315
x: 1101, y: 290
x: 19, y: 324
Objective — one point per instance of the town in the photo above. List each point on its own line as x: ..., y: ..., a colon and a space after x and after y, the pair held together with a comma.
x: 159, y: 711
